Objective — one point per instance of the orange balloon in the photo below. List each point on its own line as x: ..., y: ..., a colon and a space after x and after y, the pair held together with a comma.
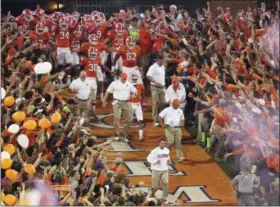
x: 6, y: 163
x: 19, y: 116
x: 10, y: 149
x: 9, y: 101
x: 12, y: 175
x: 44, y: 123
x: 56, y: 118
x: 10, y: 200
x: 30, y: 125
x: 29, y: 169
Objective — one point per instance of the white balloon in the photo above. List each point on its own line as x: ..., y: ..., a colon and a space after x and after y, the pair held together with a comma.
x: 23, y: 141
x: 5, y: 155
x: 14, y: 128
x: 43, y: 68
x: 3, y: 93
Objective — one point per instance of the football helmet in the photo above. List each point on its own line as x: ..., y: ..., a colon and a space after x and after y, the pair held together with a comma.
x: 97, y: 19
x: 119, y: 28
x: 93, y: 39
x: 63, y: 23
x: 134, y: 78
x: 92, y: 53
x: 27, y: 14
x: 39, y: 29
x: 130, y: 42
x: 78, y: 31
x: 76, y: 15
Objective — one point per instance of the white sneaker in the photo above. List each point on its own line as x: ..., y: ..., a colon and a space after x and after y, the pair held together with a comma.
x: 117, y: 138
x: 126, y: 140
x: 181, y: 159
x: 156, y: 124
x: 168, y: 202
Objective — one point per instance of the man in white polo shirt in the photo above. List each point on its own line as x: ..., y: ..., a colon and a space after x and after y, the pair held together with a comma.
x: 159, y: 158
x: 121, y: 90
x: 176, y: 90
x: 156, y: 75
x: 172, y: 119
x: 84, y: 90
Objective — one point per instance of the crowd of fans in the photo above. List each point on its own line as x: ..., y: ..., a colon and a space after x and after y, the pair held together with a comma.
x: 229, y: 65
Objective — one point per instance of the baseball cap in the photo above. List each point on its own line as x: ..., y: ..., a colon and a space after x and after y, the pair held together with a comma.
x: 123, y: 76
x: 175, y: 79
x: 176, y: 102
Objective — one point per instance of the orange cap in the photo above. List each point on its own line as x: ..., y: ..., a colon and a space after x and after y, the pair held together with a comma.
x: 123, y: 76
x: 175, y: 79
x: 176, y: 102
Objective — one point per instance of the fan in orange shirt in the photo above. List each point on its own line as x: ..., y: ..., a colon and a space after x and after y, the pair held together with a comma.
x: 130, y: 54
x: 136, y: 104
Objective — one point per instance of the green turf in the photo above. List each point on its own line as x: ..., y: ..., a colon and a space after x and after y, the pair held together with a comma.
x: 227, y: 168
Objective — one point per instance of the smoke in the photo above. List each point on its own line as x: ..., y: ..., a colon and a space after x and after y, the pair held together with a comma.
x: 271, y: 40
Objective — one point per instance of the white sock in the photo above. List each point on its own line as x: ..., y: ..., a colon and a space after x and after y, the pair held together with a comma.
x: 141, y: 132
x: 101, y: 97
x: 94, y: 108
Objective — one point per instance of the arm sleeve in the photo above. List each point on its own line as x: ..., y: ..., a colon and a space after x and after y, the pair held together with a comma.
x: 72, y: 85
x: 110, y: 89
x: 235, y: 180
x: 162, y: 113
x: 166, y: 96
x: 182, y: 116
x: 152, y: 157
x: 182, y: 93
x: 150, y: 71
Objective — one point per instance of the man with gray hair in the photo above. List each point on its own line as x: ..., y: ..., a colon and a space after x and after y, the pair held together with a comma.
x: 243, y: 185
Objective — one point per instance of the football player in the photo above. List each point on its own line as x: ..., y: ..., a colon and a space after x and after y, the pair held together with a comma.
x: 130, y: 54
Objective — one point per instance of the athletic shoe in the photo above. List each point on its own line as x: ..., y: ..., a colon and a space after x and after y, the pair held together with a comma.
x: 156, y: 124
x: 117, y: 138
x: 168, y: 202
x: 141, y: 139
x: 126, y: 140
x: 181, y: 159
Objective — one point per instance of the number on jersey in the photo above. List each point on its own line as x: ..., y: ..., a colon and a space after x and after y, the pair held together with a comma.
x: 98, y: 34
x: 64, y: 35
x: 131, y: 56
x: 93, y: 67
x: 119, y: 41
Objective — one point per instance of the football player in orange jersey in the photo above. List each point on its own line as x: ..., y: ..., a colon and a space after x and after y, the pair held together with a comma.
x: 75, y: 44
x: 117, y: 39
x: 63, y: 43
x: 130, y: 54
x: 92, y: 66
x: 93, y: 42
x: 39, y: 37
x: 136, y: 104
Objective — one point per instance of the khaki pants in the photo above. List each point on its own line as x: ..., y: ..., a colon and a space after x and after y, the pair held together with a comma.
x: 82, y: 107
x: 174, y: 137
x: 125, y: 109
x: 145, y: 60
x: 163, y: 176
x: 158, y: 101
